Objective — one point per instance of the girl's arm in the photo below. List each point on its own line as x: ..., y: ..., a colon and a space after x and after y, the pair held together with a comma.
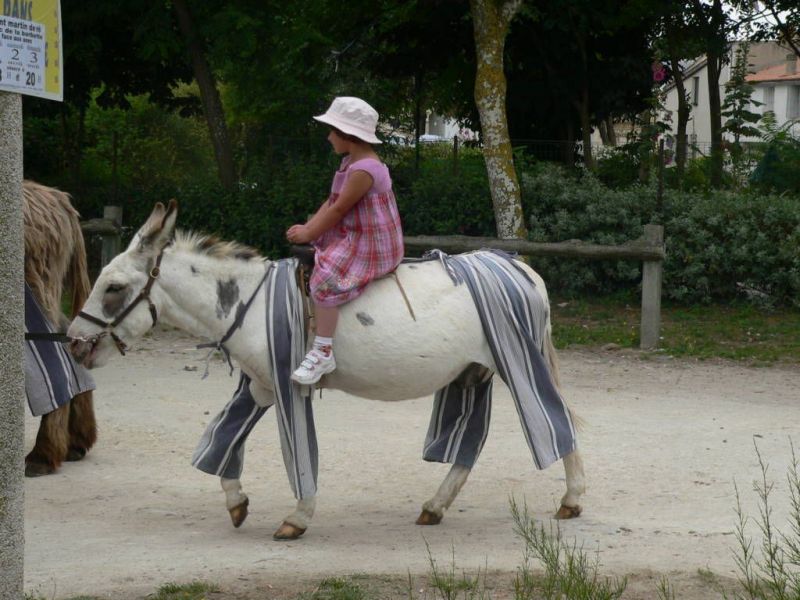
x: 328, y: 215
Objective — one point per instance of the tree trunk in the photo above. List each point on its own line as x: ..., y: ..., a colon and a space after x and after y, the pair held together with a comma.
x: 586, y: 126
x: 601, y: 129
x: 683, y: 118
x: 715, y: 116
x: 12, y: 376
x: 712, y: 19
x: 417, y: 117
x: 491, y: 20
x: 611, y: 133
x: 212, y: 105
x: 568, y: 150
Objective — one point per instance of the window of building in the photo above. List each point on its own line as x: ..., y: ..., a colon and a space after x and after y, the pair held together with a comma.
x: 695, y: 90
x: 793, y: 107
x: 769, y: 99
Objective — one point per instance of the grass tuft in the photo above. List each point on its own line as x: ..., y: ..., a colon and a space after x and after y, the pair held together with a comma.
x: 769, y: 570
x: 197, y: 590
x: 568, y: 571
x: 337, y: 588
x: 449, y: 585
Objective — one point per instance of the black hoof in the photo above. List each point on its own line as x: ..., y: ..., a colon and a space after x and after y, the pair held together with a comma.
x: 37, y: 469
x: 75, y: 453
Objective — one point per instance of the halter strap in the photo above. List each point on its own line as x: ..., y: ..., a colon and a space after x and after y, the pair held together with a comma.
x: 237, y: 323
x: 143, y: 295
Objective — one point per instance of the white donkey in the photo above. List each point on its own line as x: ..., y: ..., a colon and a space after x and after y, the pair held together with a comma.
x: 176, y: 277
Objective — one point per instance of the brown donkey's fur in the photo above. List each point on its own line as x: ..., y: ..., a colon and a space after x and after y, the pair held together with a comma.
x: 55, y: 255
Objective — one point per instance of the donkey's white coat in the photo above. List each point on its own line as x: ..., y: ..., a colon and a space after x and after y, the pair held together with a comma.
x: 382, y: 353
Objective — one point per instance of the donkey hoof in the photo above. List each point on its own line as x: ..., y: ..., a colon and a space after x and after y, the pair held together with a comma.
x: 75, y: 453
x: 239, y: 513
x: 37, y: 469
x: 427, y: 517
x: 569, y: 512
x: 287, y: 531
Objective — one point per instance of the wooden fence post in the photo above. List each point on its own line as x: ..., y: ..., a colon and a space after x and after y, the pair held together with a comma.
x: 111, y: 243
x: 652, y: 273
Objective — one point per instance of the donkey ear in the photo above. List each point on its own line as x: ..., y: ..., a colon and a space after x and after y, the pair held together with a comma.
x: 158, y: 229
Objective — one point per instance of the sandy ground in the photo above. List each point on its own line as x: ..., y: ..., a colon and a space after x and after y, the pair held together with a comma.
x: 663, y: 443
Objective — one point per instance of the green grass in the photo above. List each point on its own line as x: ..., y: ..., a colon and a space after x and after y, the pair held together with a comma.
x: 337, y: 588
x: 736, y: 331
x: 197, y: 590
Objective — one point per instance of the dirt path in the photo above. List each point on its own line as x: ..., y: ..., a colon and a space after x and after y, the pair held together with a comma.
x: 663, y: 442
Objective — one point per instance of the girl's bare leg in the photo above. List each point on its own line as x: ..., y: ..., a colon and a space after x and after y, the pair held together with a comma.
x: 327, y: 317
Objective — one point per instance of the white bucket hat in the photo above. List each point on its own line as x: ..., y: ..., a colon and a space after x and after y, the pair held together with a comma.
x: 352, y: 116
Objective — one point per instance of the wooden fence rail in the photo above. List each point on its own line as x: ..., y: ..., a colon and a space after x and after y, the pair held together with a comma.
x: 649, y: 249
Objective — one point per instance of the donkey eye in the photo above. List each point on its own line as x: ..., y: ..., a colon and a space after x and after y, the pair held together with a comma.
x: 114, y: 288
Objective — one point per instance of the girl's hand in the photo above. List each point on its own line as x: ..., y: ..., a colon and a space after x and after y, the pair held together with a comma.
x: 298, y: 234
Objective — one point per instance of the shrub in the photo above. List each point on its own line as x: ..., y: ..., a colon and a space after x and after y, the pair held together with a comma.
x: 718, y: 245
x: 779, y: 169
x: 618, y: 168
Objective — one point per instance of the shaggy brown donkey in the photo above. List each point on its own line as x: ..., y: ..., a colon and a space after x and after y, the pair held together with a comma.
x: 55, y: 256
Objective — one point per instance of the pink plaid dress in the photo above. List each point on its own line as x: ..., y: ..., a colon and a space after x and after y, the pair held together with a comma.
x: 367, y: 243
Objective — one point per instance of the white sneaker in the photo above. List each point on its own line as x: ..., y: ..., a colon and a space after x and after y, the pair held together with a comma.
x: 314, y: 366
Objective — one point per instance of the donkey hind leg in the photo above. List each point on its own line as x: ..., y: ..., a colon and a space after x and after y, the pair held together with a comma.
x: 433, y: 509
x: 296, y: 523
x: 52, y: 442
x: 82, y: 426
x: 576, y: 486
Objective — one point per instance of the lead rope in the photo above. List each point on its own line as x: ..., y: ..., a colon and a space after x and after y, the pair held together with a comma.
x: 403, y: 292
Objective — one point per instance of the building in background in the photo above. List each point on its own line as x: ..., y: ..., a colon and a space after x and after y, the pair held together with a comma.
x: 767, y: 60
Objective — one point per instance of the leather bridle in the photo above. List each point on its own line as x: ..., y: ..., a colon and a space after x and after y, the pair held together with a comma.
x: 108, y: 327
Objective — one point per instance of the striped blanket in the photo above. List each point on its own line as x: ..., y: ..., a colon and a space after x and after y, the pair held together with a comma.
x: 52, y: 378
x: 513, y: 315
x: 221, y: 448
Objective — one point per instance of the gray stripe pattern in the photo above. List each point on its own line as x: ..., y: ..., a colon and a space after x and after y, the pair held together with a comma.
x: 52, y: 377
x: 514, y: 315
x: 221, y: 448
x: 459, y: 423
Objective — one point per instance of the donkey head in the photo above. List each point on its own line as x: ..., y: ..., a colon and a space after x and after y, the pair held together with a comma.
x: 125, y: 300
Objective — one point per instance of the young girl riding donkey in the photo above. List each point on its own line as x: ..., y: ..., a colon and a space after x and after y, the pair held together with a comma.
x: 475, y: 315
x: 356, y: 231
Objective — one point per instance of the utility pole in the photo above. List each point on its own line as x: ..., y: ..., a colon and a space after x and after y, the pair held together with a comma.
x: 12, y: 377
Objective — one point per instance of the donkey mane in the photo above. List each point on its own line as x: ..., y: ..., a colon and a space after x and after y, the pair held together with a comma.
x: 214, y: 247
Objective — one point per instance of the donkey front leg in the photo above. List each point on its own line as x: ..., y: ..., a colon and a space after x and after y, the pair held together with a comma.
x: 236, y: 500
x: 576, y: 486
x: 296, y: 523
x: 433, y: 509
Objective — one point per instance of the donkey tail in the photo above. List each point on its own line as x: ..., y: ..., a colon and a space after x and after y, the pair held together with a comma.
x: 551, y: 357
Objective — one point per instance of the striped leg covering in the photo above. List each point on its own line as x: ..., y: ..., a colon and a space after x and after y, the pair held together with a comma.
x: 52, y: 377
x: 459, y: 423
x: 514, y: 316
x: 221, y: 448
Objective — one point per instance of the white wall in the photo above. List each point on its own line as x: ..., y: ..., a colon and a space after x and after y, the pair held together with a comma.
x: 698, y: 129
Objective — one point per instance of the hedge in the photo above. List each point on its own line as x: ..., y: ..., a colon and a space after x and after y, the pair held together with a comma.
x: 720, y: 245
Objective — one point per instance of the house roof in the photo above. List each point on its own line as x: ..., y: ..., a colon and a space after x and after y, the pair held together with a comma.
x: 776, y: 73
x: 688, y: 71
